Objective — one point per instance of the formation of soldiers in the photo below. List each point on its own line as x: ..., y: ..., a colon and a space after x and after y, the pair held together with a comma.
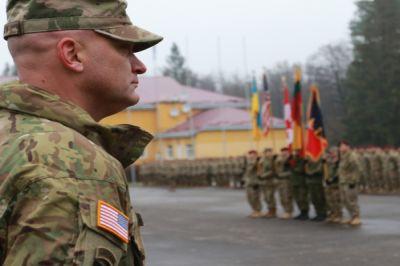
x: 380, y: 171
x: 222, y: 172
x: 330, y: 183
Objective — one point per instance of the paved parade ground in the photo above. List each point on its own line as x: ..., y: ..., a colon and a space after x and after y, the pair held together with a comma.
x: 197, y: 227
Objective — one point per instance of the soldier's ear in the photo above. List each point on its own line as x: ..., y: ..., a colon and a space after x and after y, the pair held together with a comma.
x: 69, y: 54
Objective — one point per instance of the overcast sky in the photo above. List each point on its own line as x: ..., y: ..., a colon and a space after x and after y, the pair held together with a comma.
x: 272, y: 30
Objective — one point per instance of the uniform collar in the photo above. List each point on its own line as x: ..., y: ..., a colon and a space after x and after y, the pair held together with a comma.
x: 124, y: 142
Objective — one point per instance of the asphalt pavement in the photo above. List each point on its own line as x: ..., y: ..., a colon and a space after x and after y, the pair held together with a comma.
x: 208, y: 226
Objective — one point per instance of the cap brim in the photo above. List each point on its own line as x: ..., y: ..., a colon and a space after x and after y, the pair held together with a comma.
x: 142, y: 39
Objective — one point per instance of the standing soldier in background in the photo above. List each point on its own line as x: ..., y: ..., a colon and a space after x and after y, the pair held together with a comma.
x: 253, y: 183
x: 377, y: 170
x: 298, y: 181
x: 283, y: 173
x: 391, y: 169
x: 314, y: 178
x: 349, y: 176
x: 360, y: 153
x: 267, y: 174
x: 331, y: 184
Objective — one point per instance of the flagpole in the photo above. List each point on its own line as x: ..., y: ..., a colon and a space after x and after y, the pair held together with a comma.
x: 247, y: 90
x: 270, y: 111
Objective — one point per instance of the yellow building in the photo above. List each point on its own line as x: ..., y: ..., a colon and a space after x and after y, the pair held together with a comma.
x: 194, y: 123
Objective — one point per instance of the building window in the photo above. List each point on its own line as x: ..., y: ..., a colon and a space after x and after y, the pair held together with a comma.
x: 189, y: 151
x: 170, y: 152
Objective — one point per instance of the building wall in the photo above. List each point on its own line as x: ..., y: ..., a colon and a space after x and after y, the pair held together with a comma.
x: 221, y: 144
x: 234, y: 143
x: 206, y: 144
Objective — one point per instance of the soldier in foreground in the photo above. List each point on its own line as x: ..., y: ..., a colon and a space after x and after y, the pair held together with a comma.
x: 283, y: 173
x: 300, y: 190
x: 64, y: 197
x: 253, y: 184
x: 349, y: 176
x: 314, y: 178
x: 331, y: 185
x: 268, y: 176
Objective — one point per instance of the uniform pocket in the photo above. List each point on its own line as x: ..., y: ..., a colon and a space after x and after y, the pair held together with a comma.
x: 96, y: 246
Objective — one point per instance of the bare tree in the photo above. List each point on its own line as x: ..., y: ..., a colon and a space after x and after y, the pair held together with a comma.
x: 328, y: 69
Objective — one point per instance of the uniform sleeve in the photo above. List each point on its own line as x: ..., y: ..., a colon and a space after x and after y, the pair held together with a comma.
x: 42, y: 224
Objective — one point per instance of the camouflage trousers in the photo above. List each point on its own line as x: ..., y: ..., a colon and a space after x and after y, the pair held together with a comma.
x: 378, y: 181
x: 300, y: 194
x: 317, y: 195
x: 255, y: 194
x: 269, y: 194
x: 333, y: 201
x: 285, y: 191
x: 394, y: 179
x: 349, y: 196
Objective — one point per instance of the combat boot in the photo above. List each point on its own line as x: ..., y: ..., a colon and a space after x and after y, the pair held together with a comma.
x: 319, y: 218
x: 303, y: 216
x: 345, y: 221
x: 356, y: 221
x: 255, y: 214
x: 271, y: 213
x: 286, y: 216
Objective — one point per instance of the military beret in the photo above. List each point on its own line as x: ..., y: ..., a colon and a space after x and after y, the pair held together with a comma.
x: 106, y: 17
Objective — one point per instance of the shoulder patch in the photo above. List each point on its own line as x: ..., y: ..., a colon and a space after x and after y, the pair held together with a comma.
x: 112, y: 220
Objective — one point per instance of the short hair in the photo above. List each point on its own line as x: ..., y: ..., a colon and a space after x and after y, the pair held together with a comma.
x: 252, y: 152
x: 285, y: 149
x: 343, y: 142
x: 267, y: 149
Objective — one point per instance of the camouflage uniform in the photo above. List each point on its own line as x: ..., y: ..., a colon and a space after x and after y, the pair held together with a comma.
x: 59, y: 168
x: 57, y: 165
x: 267, y: 174
x: 349, y: 176
x: 253, y: 184
x: 332, y: 190
x: 314, y: 177
x: 391, y: 170
x: 377, y: 170
x: 298, y: 181
x: 364, y: 170
x: 283, y: 173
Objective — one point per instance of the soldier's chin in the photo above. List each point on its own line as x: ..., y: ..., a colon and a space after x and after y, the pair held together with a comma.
x: 134, y: 99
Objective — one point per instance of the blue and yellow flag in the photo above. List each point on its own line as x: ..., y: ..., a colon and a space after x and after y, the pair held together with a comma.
x: 256, y: 110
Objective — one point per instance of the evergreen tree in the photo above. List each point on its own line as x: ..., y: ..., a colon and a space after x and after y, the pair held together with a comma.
x: 373, y: 80
x: 177, y: 69
x: 6, y: 70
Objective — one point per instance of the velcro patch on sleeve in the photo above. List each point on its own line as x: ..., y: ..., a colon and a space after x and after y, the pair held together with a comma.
x: 112, y: 220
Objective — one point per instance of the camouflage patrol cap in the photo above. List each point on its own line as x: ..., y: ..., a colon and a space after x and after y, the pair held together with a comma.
x: 107, y: 17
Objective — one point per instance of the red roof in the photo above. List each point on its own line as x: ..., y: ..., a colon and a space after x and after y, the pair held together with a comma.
x: 229, y: 118
x: 166, y: 89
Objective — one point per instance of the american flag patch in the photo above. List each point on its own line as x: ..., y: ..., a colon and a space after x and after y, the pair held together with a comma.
x: 112, y: 220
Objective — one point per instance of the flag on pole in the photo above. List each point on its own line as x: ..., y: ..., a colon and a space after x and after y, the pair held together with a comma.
x: 316, y: 140
x: 297, y: 114
x: 255, y: 110
x: 266, y: 108
x: 287, y: 114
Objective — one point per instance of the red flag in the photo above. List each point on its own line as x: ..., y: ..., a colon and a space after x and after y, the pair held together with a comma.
x: 316, y: 141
